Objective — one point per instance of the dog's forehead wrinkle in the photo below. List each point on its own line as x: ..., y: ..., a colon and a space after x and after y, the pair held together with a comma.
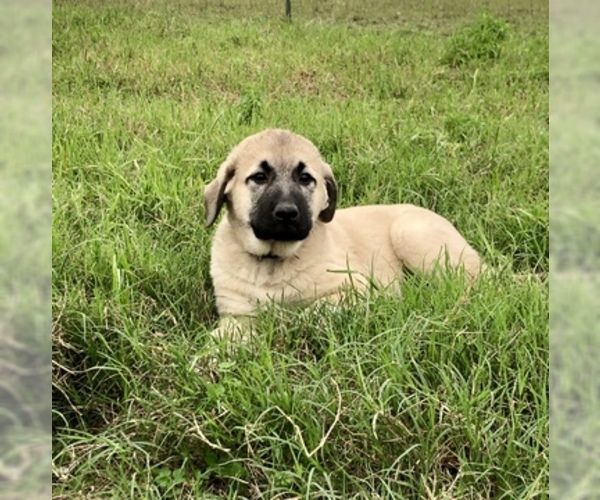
x: 281, y: 149
x: 282, y: 165
x: 265, y: 165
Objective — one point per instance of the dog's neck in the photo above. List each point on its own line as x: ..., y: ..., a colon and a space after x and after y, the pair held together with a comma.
x: 272, y: 250
x: 269, y: 256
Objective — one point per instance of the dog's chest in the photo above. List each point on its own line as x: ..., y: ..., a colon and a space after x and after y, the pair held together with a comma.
x: 287, y: 281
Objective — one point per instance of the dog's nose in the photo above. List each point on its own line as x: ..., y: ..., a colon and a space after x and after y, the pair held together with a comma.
x: 286, y: 212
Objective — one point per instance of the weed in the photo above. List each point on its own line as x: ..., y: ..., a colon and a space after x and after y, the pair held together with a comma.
x: 480, y: 40
x: 250, y: 106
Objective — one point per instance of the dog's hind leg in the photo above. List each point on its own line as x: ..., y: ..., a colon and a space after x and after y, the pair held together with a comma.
x: 424, y: 240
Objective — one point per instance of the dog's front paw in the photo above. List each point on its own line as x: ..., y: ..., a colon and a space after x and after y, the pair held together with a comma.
x: 220, y: 352
x: 232, y: 334
x: 232, y: 331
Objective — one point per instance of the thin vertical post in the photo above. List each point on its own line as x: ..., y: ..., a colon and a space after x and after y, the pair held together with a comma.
x: 288, y: 9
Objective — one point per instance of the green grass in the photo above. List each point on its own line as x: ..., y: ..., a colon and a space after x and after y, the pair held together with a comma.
x: 429, y: 395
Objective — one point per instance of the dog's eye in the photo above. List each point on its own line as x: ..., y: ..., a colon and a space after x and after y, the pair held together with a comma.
x: 305, y: 179
x: 258, y: 178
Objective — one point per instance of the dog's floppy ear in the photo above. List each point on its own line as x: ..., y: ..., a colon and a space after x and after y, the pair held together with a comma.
x: 214, y: 194
x: 326, y: 215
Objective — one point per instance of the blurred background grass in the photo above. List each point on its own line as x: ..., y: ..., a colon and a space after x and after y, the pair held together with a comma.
x: 25, y: 260
x: 575, y: 249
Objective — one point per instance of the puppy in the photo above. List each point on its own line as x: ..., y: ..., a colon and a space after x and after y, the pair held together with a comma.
x: 283, y: 240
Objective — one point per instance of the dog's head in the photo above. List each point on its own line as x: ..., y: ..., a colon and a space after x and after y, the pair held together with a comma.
x: 276, y: 187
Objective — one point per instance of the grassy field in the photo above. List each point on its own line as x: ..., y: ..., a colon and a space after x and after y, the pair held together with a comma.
x: 432, y: 395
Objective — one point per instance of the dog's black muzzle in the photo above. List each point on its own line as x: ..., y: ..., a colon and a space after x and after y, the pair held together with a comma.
x: 281, y: 217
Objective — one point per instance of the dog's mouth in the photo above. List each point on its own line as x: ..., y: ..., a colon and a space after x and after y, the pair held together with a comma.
x: 281, y: 232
